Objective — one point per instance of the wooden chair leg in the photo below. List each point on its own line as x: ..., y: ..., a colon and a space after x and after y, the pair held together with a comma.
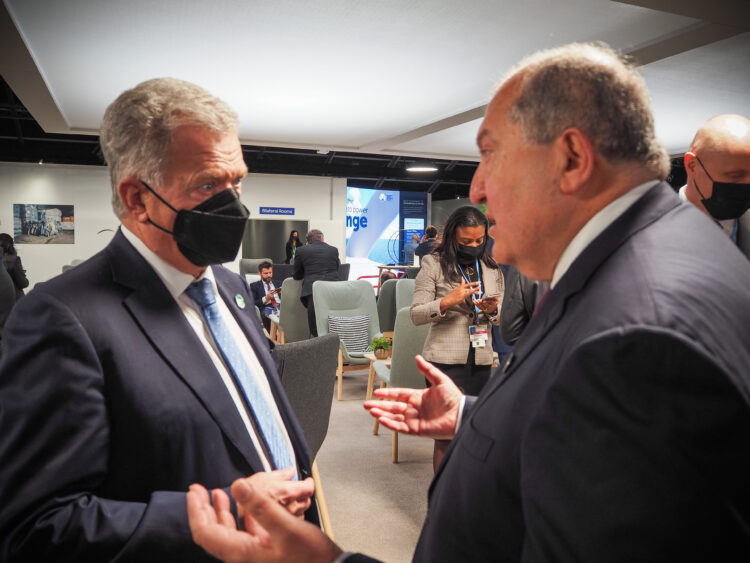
x: 282, y: 337
x: 320, y: 498
x: 274, y: 332
x: 340, y: 374
x: 370, y: 381
x: 394, y: 447
x: 377, y: 424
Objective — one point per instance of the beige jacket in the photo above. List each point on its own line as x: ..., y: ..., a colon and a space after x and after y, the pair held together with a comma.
x: 448, y: 339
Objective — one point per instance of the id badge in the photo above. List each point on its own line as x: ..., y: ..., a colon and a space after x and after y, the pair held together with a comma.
x: 478, y: 336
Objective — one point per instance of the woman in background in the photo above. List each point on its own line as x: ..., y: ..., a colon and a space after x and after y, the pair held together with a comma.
x: 12, y: 263
x: 291, y: 246
x: 458, y: 291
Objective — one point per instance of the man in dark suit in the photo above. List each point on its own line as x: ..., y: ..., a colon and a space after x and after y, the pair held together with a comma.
x: 718, y: 175
x: 266, y: 292
x: 315, y: 261
x: 617, y: 428
x: 145, y: 368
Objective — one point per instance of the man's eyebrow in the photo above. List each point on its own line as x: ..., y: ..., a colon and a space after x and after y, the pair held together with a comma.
x: 481, y: 135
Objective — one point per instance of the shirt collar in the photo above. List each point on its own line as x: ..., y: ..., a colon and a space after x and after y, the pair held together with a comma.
x: 175, y: 281
x: 594, y: 227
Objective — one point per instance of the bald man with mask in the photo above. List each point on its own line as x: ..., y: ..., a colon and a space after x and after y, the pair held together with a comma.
x: 718, y: 175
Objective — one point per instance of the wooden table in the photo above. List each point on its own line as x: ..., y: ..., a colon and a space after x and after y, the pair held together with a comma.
x: 371, y: 377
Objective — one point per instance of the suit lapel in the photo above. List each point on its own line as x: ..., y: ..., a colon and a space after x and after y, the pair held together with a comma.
x: 163, y: 323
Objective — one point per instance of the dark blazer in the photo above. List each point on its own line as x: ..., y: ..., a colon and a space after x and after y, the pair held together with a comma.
x: 17, y: 273
x: 618, y: 427
x: 519, y: 302
x: 110, y: 409
x: 426, y: 247
x: 313, y: 262
x: 258, y: 290
x: 7, y: 297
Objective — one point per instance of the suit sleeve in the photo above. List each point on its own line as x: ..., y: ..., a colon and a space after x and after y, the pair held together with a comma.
x: 54, y: 442
x: 639, y: 437
x: 299, y: 269
x: 425, y: 304
x: 19, y: 274
x: 258, y: 293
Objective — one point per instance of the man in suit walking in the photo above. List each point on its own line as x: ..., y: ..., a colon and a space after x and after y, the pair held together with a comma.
x: 266, y: 292
x: 718, y: 175
x: 617, y: 428
x: 315, y: 261
x: 145, y: 368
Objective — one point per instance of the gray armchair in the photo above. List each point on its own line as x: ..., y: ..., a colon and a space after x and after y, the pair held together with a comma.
x: 404, y: 293
x: 292, y: 317
x: 346, y: 299
x: 305, y: 368
x: 387, y: 307
x: 408, y: 341
x: 250, y: 265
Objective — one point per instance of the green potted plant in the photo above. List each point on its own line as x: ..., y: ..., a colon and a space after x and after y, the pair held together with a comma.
x: 381, y: 346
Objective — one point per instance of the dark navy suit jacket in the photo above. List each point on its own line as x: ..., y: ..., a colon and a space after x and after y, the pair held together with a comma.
x: 110, y: 408
x: 619, y: 427
x: 258, y: 290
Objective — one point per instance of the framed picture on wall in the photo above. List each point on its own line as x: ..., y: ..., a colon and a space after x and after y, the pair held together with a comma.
x: 35, y: 223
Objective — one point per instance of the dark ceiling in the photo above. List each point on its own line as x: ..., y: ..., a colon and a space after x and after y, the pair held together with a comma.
x: 23, y: 140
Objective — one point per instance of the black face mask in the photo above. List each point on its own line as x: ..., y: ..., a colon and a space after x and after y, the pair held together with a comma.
x: 210, y: 233
x: 727, y: 201
x: 469, y: 252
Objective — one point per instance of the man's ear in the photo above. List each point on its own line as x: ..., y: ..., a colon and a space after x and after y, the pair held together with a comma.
x: 576, y: 159
x: 691, y: 161
x: 132, y: 195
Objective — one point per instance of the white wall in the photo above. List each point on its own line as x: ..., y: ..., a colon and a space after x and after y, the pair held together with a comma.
x: 322, y: 201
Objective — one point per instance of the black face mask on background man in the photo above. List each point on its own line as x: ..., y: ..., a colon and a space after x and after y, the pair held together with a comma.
x: 211, y: 232
x: 465, y: 252
x: 727, y: 201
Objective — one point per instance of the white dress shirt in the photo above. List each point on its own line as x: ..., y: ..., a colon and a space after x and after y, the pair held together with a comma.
x: 176, y: 283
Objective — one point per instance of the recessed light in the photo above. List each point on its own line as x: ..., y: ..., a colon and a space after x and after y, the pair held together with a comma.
x: 421, y: 167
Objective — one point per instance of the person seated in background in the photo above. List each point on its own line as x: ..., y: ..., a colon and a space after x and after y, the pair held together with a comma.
x: 12, y: 262
x: 410, y: 248
x: 266, y: 293
x: 291, y: 247
x: 718, y: 175
x: 429, y: 242
x: 315, y: 261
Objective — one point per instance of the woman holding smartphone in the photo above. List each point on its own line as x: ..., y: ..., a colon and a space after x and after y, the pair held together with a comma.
x: 458, y: 291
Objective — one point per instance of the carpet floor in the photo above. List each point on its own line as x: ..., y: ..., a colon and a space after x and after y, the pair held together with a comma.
x: 376, y: 507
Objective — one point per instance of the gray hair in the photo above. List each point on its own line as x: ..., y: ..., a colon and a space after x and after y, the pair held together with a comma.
x: 138, y: 127
x: 590, y: 87
x: 314, y: 236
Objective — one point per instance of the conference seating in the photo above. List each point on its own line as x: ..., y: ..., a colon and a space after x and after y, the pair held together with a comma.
x: 348, y: 309
x: 387, y: 307
x: 404, y: 293
x: 283, y: 271
x: 250, y: 265
x: 408, y: 341
x: 290, y: 325
x: 305, y: 368
x: 344, y: 271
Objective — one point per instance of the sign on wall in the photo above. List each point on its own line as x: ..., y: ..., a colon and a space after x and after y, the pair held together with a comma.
x: 35, y: 223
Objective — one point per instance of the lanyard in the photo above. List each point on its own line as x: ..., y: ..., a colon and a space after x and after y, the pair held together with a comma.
x: 479, y: 279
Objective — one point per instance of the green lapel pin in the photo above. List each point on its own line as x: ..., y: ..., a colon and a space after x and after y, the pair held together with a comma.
x: 240, y: 301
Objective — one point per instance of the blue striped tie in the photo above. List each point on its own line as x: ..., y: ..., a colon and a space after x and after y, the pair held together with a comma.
x: 202, y: 293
